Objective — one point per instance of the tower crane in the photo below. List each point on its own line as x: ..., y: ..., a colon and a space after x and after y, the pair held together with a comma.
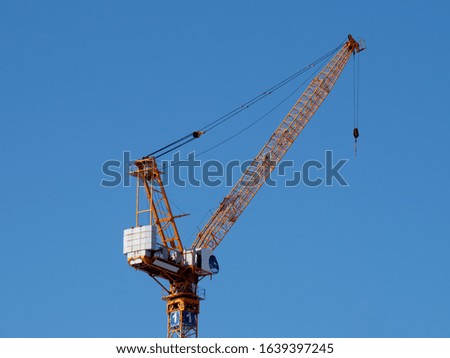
x: 155, y: 246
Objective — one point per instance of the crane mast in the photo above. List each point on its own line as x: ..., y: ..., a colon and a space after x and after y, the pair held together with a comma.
x: 154, y: 245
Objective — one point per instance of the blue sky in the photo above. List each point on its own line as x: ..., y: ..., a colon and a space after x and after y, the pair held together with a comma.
x: 82, y: 82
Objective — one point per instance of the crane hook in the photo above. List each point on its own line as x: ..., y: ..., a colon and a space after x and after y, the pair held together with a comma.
x: 356, y: 135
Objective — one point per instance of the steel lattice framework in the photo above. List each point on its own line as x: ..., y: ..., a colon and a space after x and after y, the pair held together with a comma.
x: 171, y: 261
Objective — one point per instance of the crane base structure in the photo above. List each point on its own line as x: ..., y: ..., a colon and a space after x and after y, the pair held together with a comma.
x: 154, y: 246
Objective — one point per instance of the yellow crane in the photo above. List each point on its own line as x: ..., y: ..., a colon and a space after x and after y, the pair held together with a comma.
x: 155, y: 247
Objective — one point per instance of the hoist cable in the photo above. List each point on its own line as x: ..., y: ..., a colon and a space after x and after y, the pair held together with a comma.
x: 178, y: 146
x: 268, y: 92
x: 260, y: 118
x: 191, y: 136
x: 167, y: 146
x: 257, y: 120
x: 357, y: 91
x: 356, y: 100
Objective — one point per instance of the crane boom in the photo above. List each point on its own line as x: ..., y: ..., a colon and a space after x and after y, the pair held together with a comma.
x: 273, y: 151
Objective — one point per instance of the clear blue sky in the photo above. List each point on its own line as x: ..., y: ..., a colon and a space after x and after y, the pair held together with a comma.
x: 82, y: 81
